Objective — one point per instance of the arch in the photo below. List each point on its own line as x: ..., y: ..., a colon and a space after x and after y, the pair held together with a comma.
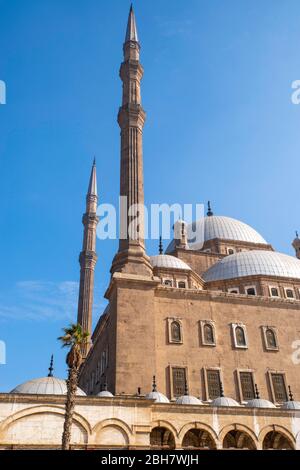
x: 235, y: 439
x: 51, y: 433
x: 118, y: 428
x: 41, y: 409
x: 239, y: 438
x: 197, y: 425
x: 164, y: 424
x: 162, y: 438
x: 198, y: 438
x: 276, y: 437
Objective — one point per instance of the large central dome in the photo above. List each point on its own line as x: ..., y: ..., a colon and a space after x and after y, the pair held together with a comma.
x: 224, y: 228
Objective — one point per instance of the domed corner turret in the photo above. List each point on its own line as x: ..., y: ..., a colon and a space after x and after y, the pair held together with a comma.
x: 296, y: 245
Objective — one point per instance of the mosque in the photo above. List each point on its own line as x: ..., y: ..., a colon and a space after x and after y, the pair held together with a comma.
x: 197, y: 347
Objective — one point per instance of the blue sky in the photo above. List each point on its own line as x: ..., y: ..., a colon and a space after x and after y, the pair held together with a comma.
x: 220, y: 126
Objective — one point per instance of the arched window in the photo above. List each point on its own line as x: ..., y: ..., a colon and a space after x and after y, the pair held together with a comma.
x: 208, y: 334
x: 175, y: 332
x: 271, y: 341
x: 240, y: 338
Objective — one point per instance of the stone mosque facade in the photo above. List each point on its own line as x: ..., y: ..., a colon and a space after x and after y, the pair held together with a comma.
x: 197, y: 347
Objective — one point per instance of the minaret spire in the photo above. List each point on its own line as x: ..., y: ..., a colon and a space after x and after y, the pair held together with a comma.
x: 131, y: 31
x: 131, y: 257
x: 51, y: 368
x: 88, y: 258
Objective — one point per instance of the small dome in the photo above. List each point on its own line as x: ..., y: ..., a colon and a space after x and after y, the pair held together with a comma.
x: 45, y: 386
x: 260, y: 403
x: 188, y: 400
x: 224, y: 401
x: 158, y: 397
x: 291, y: 405
x: 168, y: 261
x: 254, y: 263
x: 104, y: 393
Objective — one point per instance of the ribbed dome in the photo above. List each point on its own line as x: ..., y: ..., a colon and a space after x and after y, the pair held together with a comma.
x: 291, y: 405
x: 188, y: 400
x: 45, y: 386
x: 260, y: 403
x: 224, y: 401
x: 221, y: 227
x: 252, y: 263
x: 158, y: 397
x: 168, y: 261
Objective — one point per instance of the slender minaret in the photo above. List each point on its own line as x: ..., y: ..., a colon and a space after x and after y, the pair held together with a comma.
x: 296, y: 245
x: 131, y: 257
x: 88, y: 258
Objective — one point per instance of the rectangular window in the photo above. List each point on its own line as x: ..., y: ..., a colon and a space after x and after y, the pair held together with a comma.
x: 179, y: 378
x: 289, y: 293
x: 274, y: 291
x: 247, y: 386
x: 213, y: 384
x: 279, y: 388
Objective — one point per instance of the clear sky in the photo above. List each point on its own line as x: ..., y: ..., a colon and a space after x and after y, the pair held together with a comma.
x: 220, y: 126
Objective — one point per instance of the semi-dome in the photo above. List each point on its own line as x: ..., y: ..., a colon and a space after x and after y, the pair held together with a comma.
x: 45, y: 386
x: 291, y: 405
x: 254, y: 263
x: 260, y: 403
x: 224, y: 401
x: 226, y: 228
x: 188, y: 400
x: 168, y: 261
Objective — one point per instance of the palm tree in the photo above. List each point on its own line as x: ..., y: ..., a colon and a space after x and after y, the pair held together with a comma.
x: 75, y: 339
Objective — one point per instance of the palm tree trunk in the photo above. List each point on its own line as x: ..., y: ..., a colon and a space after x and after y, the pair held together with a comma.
x: 70, y: 405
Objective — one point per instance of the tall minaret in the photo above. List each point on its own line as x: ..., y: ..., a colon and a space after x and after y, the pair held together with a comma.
x: 131, y: 257
x: 88, y: 258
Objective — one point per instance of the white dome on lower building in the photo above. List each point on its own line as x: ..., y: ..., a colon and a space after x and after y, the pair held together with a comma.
x: 254, y: 263
x: 260, y: 403
x: 169, y: 262
x: 224, y: 401
x: 291, y: 405
x: 157, y: 397
x: 45, y: 386
x: 188, y: 400
x: 104, y: 393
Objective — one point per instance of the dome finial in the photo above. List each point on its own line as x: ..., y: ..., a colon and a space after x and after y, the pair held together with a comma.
x: 221, y: 389
x: 291, y: 397
x: 297, y: 234
x: 51, y: 368
x: 160, y: 247
x: 154, y: 384
x: 257, y: 396
x: 186, y: 389
x: 209, y: 211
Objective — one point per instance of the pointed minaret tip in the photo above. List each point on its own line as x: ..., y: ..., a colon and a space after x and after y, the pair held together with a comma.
x: 131, y: 31
x: 92, y: 191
